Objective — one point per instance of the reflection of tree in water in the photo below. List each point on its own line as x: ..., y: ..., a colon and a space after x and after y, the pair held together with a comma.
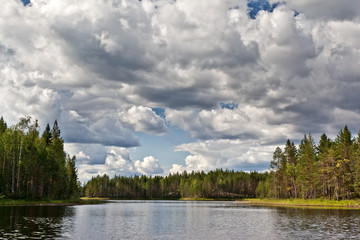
x: 33, y: 222
x: 318, y: 223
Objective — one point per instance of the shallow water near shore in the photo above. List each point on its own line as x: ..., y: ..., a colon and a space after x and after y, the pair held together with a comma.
x: 176, y: 220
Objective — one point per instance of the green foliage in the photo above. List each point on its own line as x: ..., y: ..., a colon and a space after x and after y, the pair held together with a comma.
x: 215, y: 185
x: 46, y: 136
x: 262, y: 189
x: 330, y: 169
x: 34, y: 167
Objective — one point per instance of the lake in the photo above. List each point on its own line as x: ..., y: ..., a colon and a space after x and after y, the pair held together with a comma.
x: 176, y: 220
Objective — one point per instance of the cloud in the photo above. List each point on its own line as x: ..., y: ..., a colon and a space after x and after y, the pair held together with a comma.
x: 168, y: 54
x: 227, y: 154
x: 333, y: 9
x: 90, y: 154
x: 346, y: 33
x: 96, y: 159
x: 18, y: 100
x: 143, y: 119
x: 99, y: 67
x: 106, y: 130
x: 149, y: 165
x: 244, y: 122
x: 82, y: 155
x: 285, y: 46
x: 177, y: 168
x: 205, y: 124
x: 117, y: 162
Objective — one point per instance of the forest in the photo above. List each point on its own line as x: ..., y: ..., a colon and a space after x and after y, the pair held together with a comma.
x: 214, y: 184
x: 330, y: 169
x: 34, y: 166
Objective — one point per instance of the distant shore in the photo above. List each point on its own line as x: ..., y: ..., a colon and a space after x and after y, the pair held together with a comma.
x: 304, y: 203
x: 26, y: 202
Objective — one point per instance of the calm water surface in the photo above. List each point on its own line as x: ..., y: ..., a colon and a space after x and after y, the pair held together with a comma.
x: 176, y: 220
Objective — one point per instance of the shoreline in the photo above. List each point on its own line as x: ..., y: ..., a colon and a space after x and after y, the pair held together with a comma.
x: 304, y: 203
x: 96, y: 200
x: 5, y: 202
x: 292, y: 203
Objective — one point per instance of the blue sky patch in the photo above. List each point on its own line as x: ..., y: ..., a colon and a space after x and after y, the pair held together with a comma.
x: 230, y: 106
x: 255, y: 6
x: 25, y: 2
x: 162, y: 147
x: 159, y: 111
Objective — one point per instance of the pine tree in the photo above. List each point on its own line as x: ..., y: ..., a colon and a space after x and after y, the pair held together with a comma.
x: 307, y: 169
x: 3, y: 125
x: 56, y: 158
x: 344, y: 164
x: 275, y: 165
x: 326, y: 163
x: 46, y: 136
x: 356, y: 158
x: 72, y: 179
x: 55, y: 132
x: 290, y: 154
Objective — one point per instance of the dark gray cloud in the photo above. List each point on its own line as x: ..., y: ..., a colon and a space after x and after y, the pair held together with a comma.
x: 179, y: 97
x: 107, y: 131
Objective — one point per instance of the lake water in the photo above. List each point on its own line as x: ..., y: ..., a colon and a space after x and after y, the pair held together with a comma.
x: 176, y: 220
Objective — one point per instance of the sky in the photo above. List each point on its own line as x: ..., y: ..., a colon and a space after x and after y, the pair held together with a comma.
x: 163, y: 86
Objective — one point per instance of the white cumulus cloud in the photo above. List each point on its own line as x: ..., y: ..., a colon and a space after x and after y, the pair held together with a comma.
x: 244, y: 122
x: 227, y: 154
x: 148, y: 166
x: 143, y: 119
x: 96, y: 159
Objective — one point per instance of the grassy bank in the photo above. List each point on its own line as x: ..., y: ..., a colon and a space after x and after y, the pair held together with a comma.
x: 306, y: 203
x: 26, y: 202
x: 209, y: 199
x: 196, y: 199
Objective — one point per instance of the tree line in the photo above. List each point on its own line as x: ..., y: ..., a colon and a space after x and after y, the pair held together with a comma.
x: 34, y: 166
x: 214, y: 184
x: 330, y: 169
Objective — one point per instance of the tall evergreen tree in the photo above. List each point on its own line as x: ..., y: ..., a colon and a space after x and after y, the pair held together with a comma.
x: 307, y: 168
x: 55, y: 132
x: 275, y: 165
x: 344, y: 164
x: 326, y: 163
x: 56, y: 158
x: 356, y: 161
x: 290, y: 154
x: 3, y: 125
x: 46, y: 136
